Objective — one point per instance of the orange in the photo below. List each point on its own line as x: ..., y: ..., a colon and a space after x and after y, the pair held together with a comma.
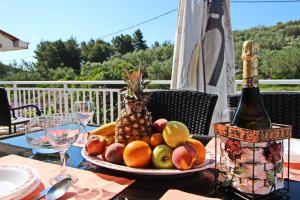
x: 137, y: 154
x: 146, y: 139
x: 156, y: 139
x: 200, y: 149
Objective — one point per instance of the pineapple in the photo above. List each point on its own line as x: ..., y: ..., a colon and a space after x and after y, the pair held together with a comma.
x: 135, y: 120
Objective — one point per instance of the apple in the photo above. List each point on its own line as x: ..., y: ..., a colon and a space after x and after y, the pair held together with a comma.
x: 159, y: 125
x: 175, y: 134
x: 162, y: 157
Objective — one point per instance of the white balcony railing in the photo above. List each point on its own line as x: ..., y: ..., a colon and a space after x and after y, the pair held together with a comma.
x: 59, y: 96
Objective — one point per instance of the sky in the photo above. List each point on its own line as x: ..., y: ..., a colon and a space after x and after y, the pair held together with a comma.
x: 34, y: 21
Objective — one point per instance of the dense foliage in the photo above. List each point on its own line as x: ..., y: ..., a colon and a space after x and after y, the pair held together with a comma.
x: 280, y: 50
x: 101, y: 60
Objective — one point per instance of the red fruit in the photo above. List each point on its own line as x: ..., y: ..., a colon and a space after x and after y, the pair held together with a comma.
x: 184, y: 157
x: 95, y: 145
x: 114, y: 153
x: 159, y: 125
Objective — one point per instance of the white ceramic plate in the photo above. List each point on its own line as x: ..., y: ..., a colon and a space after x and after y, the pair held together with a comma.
x: 209, y: 162
x: 17, y: 181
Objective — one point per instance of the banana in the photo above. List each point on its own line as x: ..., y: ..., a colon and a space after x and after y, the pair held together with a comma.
x: 104, y: 130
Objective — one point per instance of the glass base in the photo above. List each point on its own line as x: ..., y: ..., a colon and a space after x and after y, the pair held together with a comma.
x: 58, y: 178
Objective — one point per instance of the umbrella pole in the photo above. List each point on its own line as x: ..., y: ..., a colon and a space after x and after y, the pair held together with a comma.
x: 203, y: 66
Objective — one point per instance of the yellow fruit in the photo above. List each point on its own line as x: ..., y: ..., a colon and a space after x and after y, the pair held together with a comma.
x: 110, y: 139
x: 105, y: 130
x: 175, y: 133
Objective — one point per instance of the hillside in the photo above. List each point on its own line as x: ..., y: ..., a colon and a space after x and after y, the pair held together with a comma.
x: 280, y: 49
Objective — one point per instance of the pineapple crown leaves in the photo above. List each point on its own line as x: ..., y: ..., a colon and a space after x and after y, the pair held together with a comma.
x: 135, y: 84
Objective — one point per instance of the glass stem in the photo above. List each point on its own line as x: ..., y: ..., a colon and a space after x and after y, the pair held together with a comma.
x: 63, y: 162
x: 84, y: 128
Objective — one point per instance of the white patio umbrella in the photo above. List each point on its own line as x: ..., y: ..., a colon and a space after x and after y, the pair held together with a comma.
x: 203, y: 52
x: 9, y: 42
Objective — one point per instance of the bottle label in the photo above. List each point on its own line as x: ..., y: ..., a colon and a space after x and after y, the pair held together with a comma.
x: 250, y: 73
x: 250, y: 55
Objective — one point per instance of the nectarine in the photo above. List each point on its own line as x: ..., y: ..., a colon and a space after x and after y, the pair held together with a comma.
x: 114, y: 153
x: 159, y: 125
x: 95, y: 145
x: 184, y: 157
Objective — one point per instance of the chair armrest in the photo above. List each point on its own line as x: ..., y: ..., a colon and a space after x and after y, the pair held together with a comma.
x: 38, y: 111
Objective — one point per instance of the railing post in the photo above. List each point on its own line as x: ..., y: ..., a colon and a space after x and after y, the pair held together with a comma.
x: 66, y: 98
x: 15, y: 96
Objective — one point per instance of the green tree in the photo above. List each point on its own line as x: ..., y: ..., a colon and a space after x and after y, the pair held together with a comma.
x: 62, y: 73
x: 96, y: 51
x: 51, y: 55
x: 155, y: 44
x: 72, y: 58
x: 138, y: 42
x: 4, y: 70
x: 123, y: 44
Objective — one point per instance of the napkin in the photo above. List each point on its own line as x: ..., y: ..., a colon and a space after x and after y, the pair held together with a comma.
x: 177, y: 194
x: 90, y: 185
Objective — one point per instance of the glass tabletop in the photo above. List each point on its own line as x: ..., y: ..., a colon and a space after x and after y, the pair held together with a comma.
x: 143, y: 188
x: 74, y: 158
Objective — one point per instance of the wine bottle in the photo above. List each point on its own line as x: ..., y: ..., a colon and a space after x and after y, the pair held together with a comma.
x: 251, y: 112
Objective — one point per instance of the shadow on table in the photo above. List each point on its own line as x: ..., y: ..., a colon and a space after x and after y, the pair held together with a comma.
x: 154, y: 187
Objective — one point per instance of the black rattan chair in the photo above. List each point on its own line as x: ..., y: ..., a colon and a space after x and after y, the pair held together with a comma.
x: 7, y: 113
x: 194, y: 109
x: 282, y: 107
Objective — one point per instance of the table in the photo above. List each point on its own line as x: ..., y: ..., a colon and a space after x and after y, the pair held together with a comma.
x: 200, y: 183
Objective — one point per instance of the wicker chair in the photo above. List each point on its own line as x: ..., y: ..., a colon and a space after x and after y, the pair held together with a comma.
x: 282, y: 107
x: 7, y: 113
x: 194, y: 109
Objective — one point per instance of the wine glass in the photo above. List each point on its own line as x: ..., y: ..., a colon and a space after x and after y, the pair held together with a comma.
x: 85, y: 112
x: 62, y: 131
x: 36, y: 137
x: 228, y: 114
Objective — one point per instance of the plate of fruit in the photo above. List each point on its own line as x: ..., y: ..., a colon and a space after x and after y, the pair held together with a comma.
x: 168, y: 150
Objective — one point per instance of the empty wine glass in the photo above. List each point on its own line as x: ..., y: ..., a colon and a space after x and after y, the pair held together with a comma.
x: 85, y: 112
x: 36, y: 137
x: 62, y: 131
x: 228, y: 114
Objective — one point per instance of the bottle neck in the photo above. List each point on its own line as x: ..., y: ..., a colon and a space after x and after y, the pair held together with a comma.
x: 250, y: 72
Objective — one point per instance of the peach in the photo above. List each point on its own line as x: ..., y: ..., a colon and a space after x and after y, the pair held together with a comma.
x: 159, y: 125
x: 95, y: 145
x: 114, y: 153
x: 184, y: 157
x: 103, y: 153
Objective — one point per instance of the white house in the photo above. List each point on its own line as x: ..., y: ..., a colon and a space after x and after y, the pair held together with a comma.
x: 9, y: 42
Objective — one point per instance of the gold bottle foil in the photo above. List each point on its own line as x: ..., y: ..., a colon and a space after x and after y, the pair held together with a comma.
x: 250, y: 56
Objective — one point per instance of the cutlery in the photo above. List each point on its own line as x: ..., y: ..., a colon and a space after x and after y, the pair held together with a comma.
x: 57, y: 190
